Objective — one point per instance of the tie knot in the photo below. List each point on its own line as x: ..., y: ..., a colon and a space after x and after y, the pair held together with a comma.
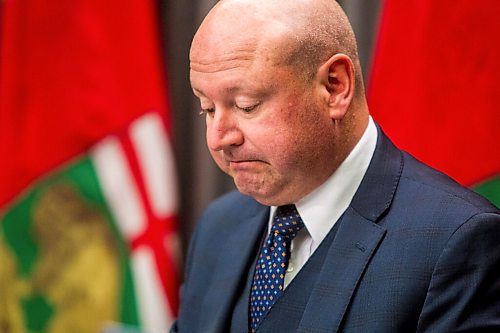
x: 287, y: 221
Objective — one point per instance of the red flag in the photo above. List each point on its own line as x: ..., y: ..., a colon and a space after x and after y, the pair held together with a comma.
x: 84, y: 141
x: 434, y: 86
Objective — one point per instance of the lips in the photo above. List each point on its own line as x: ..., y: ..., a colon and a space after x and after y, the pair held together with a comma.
x: 238, y: 161
x: 231, y: 159
x: 242, y: 161
x: 242, y: 164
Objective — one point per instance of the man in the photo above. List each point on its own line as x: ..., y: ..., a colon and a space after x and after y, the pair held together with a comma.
x: 333, y: 228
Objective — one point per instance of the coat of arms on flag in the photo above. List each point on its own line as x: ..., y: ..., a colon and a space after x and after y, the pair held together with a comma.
x: 88, y: 198
x: 94, y: 241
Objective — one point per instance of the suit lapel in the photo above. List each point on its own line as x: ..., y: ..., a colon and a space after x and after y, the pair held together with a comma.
x: 349, y: 254
x: 232, y: 269
x: 356, y: 242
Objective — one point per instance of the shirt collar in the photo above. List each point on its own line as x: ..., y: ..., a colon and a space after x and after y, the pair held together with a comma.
x: 323, y: 207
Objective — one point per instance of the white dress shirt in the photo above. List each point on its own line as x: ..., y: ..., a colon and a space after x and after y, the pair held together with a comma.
x: 321, y: 209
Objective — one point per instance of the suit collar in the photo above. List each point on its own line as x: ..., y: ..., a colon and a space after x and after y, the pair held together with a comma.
x: 376, y: 191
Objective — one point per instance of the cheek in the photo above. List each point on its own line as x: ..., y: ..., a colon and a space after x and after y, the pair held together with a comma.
x: 307, y: 134
x: 278, y: 144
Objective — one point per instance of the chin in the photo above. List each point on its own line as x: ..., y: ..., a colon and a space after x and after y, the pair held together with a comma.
x: 261, y: 195
x: 265, y: 189
x: 252, y: 191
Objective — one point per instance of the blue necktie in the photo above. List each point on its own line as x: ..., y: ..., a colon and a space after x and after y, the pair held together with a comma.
x: 269, y: 276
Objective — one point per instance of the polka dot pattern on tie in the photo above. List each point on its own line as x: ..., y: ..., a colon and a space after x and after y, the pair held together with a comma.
x: 271, y: 266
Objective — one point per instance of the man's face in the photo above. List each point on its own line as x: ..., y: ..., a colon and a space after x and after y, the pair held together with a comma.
x: 265, y: 127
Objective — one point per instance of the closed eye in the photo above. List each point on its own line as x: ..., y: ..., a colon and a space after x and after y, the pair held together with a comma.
x: 248, y: 109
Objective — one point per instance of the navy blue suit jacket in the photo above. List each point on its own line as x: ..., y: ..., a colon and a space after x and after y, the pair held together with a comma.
x: 414, y: 252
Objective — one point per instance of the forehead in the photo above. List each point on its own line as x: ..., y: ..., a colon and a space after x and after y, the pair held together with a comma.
x: 251, y: 78
x: 236, y: 48
x: 211, y: 56
x: 235, y: 34
x: 232, y: 64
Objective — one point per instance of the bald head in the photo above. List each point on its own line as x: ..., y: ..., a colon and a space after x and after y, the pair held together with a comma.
x: 301, y: 34
x: 280, y: 84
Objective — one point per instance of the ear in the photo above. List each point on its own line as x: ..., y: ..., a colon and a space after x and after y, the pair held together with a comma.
x: 336, y: 76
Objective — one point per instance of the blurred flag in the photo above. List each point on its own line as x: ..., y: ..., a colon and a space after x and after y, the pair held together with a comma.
x: 87, y: 198
x: 434, y: 86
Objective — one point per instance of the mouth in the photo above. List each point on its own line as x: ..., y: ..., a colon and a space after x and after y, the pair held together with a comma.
x: 243, y: 164
x: 238, y: 162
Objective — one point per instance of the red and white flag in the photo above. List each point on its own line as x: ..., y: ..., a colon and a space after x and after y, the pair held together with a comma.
x: 88, y: 197
x: 434, y: 86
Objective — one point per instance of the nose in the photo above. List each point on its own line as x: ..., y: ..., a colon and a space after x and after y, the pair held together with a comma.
x: 223, y: 131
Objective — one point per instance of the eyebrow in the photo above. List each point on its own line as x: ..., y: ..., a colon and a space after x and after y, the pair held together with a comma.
x: 227, y: 90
